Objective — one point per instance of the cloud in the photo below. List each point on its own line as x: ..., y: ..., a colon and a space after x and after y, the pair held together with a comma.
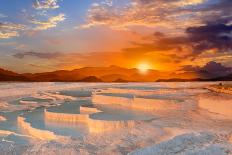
x: 7, y: 35
x: 213, y: 68
x: 9, y: 30
x: 50, y: 23
x: 163, y: 48
x: 211, y: 36
x: 11, y: 26
x: 73, y: 60
x: 38, y: 55
x: 190, y: 2
x: 45, y: 4
x: 145, y: 13
x: 172, y: 15
x: 215, y: 36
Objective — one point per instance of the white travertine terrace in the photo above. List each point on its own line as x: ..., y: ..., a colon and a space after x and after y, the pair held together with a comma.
x: 2, y: 118
x: 83, y: 117
x: 145, y: 93
x: 134, y: 103
x: 131, y: 91
x: 227, y: 89
x: 5, y: 132
x: 87, y: 110
x: 230, y: 140
x: 53, y: 116
x: 98, y: 126
x: 28, y: 102
x: 216, y: 104
x: 26, y: 128
x: 4, y: 106
x: 172, y: 131
x: 53, y: 96
x: 22, y: 89
x: 94, y: 126
x: 190, y: 143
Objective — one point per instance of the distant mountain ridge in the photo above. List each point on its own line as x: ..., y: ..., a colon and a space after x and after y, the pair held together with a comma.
x: 221, y: 78
x: 6, y: 75
x: 109, y: 74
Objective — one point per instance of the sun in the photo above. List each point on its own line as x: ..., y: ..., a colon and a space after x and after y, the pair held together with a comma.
x: 143, y: 67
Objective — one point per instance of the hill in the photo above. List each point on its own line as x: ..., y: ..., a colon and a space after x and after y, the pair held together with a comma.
x: 109, y: 74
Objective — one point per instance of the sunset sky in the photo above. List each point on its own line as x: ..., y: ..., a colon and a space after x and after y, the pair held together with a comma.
x: 166, y: 35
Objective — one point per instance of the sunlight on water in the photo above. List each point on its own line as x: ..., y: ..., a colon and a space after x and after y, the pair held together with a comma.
x: 217, y: 104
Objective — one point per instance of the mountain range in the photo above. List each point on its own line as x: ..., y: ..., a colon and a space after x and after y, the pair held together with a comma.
x: 111, y: 74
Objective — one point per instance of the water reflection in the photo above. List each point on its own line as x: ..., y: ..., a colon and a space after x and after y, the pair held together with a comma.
x: 220, y: 103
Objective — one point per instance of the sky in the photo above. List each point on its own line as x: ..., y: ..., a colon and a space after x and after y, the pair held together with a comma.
x: 165, y: 35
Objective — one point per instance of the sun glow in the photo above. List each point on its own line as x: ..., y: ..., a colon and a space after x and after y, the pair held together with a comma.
x: 143, y: 67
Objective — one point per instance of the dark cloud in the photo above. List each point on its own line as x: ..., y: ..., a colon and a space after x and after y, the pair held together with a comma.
x: 211, y: 36
x: 216, y: 36
x: 38, y: 55
x: 161, y: 43
x: 159, y: 34
x: 214, y: 69
x: 222, y: 7
x: 213, y: 32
